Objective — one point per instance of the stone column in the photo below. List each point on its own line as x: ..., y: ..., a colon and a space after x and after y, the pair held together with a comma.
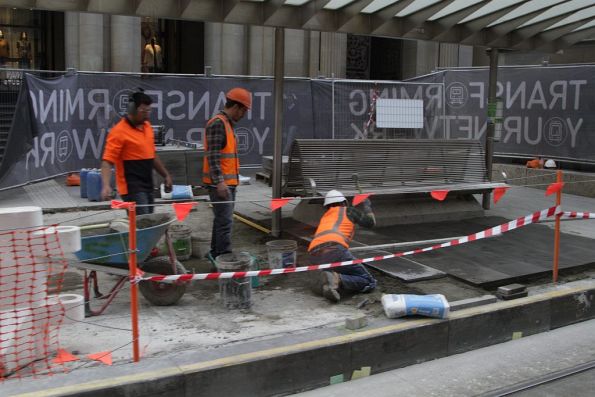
x: 449, y: 55
x: 71, y: 39
x: 213, y: 46
x: 332, y: 48
x: 261, y: 51
x: 296, y: 53
x: 427, y: 57
x: 91, y: 42
x: 234, y: 49
x: 125, y: 50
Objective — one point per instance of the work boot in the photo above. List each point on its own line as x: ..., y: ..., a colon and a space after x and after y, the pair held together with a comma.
x: 211, y: 259
x: 330, y: 285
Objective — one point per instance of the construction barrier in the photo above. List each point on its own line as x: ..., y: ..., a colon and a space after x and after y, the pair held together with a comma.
x: 31, y: 306
x: 503, y: 228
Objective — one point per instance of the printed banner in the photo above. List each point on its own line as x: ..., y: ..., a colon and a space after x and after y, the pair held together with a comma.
x: 60, y: 124
x: 547, y: 111
x: 70, y: 116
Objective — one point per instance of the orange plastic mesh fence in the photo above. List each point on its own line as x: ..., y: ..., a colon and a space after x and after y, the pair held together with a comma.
x: 32, y: 267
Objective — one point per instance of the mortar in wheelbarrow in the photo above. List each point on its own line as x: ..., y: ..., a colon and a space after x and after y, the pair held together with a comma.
x: 101, y: 244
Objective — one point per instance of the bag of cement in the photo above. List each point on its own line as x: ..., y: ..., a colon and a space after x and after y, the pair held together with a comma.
x: 244, y: 180
x: 399, y: 305
x: 178, y: 192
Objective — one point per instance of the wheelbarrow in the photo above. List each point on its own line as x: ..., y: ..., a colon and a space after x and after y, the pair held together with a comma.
x: 104, y: 248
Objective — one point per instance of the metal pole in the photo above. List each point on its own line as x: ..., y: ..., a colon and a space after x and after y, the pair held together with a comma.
x: 557, y: 230
x: 493, y: 53
x: 410, y: 243
x: 278, y: 141
x: 133, y: 287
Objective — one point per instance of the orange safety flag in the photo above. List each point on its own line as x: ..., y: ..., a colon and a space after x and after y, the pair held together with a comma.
x: 63, y: 357
x: 120, y: 204
x: 499, y: 192
x: 554, y: 188
x: 359, y: 198
x: 277, y: 203
x: 104, y: 357
x: 439, y: 195
x: 182, y: 210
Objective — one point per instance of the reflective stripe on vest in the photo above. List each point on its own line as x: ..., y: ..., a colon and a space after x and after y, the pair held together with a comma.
x: 334, y: 226
x: 230, y: 164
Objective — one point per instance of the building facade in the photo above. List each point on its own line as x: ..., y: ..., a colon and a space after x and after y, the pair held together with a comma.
x: 52, y: 40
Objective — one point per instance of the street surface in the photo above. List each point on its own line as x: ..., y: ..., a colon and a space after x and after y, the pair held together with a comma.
x: 489, y: 371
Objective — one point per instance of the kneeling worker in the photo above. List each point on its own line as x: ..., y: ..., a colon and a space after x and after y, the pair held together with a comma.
x: 331, y: 244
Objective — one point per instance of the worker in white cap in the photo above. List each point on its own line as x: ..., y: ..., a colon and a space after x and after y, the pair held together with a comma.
x: 331, y: 244
x: 550, y: 164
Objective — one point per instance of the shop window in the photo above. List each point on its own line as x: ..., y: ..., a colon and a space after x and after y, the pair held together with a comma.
x: 152, y: 53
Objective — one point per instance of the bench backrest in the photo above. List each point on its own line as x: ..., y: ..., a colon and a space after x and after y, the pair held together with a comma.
x: 383, y: 165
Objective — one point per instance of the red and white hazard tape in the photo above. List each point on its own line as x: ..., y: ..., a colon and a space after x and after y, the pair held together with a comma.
x: 581, y: 215
x: 506, y: 227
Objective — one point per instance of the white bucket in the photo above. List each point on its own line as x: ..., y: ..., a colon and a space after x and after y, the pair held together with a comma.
x: 282, y: 253
x: 236, y: 293
x: 200, y: 246
x: 181, y: 240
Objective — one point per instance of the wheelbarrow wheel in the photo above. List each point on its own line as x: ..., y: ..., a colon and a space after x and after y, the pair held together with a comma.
x: 162, y: 294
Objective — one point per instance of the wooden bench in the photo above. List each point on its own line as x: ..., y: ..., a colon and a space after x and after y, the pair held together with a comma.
x: 396, y: 167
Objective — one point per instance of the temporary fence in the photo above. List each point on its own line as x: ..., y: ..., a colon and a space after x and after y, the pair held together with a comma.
x: 33, y: 266
x: 31, y: 276
x: 354, y: 109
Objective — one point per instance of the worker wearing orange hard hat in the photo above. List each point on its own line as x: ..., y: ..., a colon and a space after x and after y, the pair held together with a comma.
x: 221, y: 166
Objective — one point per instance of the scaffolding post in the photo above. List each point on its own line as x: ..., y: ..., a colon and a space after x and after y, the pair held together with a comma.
x: 557, y: 229
x: 491, y: 127
x: 278, y: 141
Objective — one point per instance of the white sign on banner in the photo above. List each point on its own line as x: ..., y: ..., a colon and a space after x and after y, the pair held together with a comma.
x: 399, y: 113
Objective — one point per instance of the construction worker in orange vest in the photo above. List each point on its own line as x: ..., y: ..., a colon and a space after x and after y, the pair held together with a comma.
x: 331, y: 244
x: 221, y: 167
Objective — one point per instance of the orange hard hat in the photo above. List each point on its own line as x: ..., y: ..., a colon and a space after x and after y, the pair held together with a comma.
x: 240, y: 95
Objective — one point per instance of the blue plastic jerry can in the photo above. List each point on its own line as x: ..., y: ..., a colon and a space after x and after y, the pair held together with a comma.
x: 94, y: 185
x: 83, y: 186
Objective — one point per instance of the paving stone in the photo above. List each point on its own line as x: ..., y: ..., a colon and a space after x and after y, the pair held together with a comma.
x: 354, y: 323
x: 511, y: 289
x: 472, y: 302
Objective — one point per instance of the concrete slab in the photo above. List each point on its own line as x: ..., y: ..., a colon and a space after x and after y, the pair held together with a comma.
x: 402, y: 268
x: 497, y: 323
x: 569, y: 309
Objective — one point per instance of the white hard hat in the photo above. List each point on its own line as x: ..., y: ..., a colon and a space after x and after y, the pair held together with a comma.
x: 334, y: 196
x: 550, y: 164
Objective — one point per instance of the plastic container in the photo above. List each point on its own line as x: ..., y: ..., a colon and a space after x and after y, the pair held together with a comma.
x: 181, y: 238
x: 236, y: 293
x: 94, y: 185
x: 178, y: 192
x: 282, y: 253
x: 255, y: 280
x: 200, y: 246
x: 410, y: 305
x: 83, y: 173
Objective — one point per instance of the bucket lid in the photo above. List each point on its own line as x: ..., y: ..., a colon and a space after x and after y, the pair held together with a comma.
x: 282, y: 244
x: 233, y: 261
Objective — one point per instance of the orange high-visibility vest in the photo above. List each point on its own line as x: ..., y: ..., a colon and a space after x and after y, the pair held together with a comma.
x: 334, y: 226
x: 230, y: 164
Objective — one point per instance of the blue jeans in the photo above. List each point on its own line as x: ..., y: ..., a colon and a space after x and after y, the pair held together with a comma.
x: 141, y: 198
x: 221, y: 234
x: 354, y: 278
